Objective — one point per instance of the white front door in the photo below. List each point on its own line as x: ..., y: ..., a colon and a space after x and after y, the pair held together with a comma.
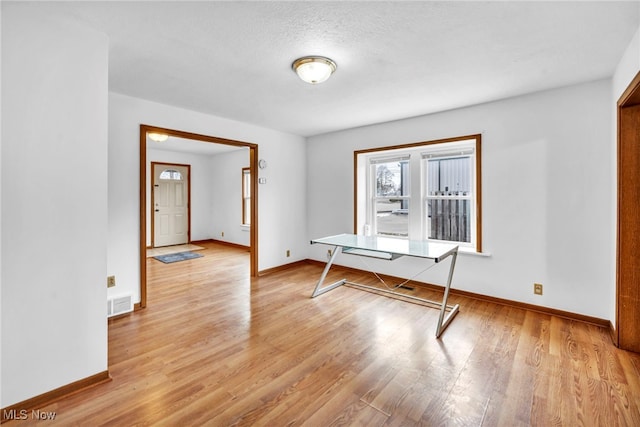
x: 170, y: 204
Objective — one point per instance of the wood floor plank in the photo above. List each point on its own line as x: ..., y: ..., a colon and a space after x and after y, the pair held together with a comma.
x: 217, y: 347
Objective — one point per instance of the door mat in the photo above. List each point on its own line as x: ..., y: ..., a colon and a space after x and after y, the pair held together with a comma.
x: 173, y: 249
x: 180, y: 256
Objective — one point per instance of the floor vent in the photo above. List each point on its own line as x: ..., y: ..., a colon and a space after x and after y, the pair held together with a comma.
x: 119, y: 305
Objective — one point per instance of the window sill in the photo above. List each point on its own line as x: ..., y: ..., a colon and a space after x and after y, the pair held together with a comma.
x: 470, y: 251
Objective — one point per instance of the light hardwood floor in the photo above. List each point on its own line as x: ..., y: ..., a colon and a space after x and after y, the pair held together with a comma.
x: 217, y: 348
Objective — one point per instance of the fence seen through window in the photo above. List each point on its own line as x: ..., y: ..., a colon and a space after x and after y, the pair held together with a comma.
x: 449, y: 199
x: 421, y: 191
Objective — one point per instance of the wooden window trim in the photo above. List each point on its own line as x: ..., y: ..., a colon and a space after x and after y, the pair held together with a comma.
x: 478, y: 171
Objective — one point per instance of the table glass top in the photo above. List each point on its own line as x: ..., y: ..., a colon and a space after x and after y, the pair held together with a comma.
x: 416, y: 248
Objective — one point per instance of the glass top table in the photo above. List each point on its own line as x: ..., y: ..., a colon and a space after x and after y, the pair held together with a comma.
x: 390, y: 248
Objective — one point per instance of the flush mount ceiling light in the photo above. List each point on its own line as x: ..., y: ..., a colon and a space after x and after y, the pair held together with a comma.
x: 314, y: 69
x: 157, y: 137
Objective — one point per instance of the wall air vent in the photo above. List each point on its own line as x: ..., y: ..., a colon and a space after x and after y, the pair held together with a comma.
x: 119, y: 305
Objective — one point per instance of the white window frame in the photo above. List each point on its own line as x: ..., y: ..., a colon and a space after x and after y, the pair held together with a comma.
x: 373, y: 197
x: 459, y: 149
x: 246, y: 196
x: 417, y: 199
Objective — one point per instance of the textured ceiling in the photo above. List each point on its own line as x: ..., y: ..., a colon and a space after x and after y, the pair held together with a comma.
x: 395, y: 59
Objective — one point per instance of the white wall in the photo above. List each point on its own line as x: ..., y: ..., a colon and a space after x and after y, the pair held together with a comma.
x: 201, y: 195
x: 627, y: 67
x: 226, y: 192
x: 286, y: 183
x: 546, y: 186
x: 54, y: 204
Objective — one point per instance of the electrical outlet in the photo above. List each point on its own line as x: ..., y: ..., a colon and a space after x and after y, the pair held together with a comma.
x: 537, y: 288
x: 222, y: 234
x: 288, y: 253
x: 111, y: 281
x: 329, y: 253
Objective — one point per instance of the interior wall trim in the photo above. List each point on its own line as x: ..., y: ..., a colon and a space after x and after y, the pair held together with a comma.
x: 282, y: 267
x: 627, y: 317
x: 222, y: 242
x: 603, y: 323
x: 613, y: 334
x: 52, y: 396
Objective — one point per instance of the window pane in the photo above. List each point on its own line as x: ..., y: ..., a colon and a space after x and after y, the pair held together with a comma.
x: 247, y: 184
x: 246, y: 196
x: 449, y: 219
x: 391, y: 218
x: 448, y: 215
x: 247, y: 212
x: 392, y: 178
x: 451, y: 177
x: 171, y: 174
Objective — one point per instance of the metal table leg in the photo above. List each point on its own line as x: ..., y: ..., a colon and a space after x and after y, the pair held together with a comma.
x: 443, y: 321
x: 444, y: 318
x: 319, y: 290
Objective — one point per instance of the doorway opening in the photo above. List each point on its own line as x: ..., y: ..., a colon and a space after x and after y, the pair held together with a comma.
x: 144, y: 179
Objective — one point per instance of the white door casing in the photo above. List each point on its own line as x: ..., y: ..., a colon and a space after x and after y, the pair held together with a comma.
x: 170, y: 204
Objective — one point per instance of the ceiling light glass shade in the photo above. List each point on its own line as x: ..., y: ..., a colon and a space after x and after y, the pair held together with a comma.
x: 314, y: 69
x: 157, y: 137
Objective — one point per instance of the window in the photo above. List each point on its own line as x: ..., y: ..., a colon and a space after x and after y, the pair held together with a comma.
x: 449, y: 196
x: 390, y: 203
x: 171, y: 174
x: 246, y: 196
x: 424, y: 191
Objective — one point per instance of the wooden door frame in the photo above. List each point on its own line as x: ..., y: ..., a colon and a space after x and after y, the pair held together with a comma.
x: 151, y: 207
x: 629, y: 98
x: 253, y: 165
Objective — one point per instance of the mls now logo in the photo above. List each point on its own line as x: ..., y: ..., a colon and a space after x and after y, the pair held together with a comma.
x: 23, y: 414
